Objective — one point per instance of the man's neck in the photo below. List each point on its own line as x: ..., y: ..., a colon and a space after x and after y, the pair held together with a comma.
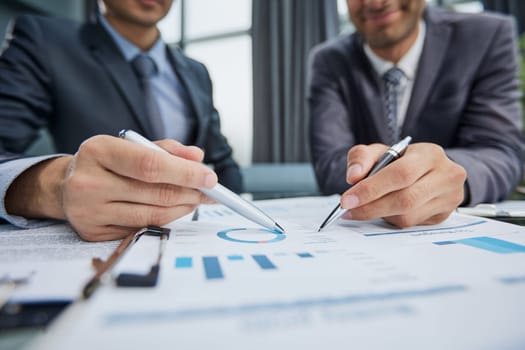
x: 141, y: 36
x: 396, y: 52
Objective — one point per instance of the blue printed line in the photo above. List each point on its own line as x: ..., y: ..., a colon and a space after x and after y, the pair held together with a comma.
x: 444, y: 242
x: 493, y: 245
x: 512, y: 280
x: 424, y: 230
x: 490, y: 244
x: 120, y: 318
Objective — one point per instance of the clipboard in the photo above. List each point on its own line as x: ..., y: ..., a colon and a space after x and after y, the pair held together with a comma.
x: 16, y: 314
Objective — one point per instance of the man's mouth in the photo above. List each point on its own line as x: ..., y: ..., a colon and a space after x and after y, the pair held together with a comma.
x: 381, y: 17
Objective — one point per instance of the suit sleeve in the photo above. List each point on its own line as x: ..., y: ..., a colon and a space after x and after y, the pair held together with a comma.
x: 330, y: 124
x: 490, y: 142
x: 25, y: 88
x: 25, y: 106
x: 217, y: 150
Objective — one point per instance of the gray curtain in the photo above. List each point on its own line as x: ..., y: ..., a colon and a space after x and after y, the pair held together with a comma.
x: 511, y: 7
x: 284, y: 31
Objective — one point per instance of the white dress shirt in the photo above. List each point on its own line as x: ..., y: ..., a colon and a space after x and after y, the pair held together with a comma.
x: 408, y: 64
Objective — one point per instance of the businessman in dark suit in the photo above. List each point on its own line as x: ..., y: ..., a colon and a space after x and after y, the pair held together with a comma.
x: 449, y: 80
x: 81, y: 81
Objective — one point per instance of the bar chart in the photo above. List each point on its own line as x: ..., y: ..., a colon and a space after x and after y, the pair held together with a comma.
x: 213, y: 265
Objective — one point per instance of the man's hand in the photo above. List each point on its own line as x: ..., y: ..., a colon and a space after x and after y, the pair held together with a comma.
x: 422, y: 187
x: 111, y: 187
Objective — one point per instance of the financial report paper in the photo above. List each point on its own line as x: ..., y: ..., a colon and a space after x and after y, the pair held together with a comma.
x: 227, y: 283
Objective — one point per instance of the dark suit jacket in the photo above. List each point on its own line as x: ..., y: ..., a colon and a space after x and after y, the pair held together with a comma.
x: 73, y: 79
x: 465, y: 99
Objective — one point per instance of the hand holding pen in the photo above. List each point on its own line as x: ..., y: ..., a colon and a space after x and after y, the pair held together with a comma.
x: 110, y: 187
x: 423, y: 187
x: 218, y: 192
x: 388, y: 157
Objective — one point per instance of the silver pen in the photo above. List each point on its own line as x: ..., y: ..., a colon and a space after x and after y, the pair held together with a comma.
x: 388, y: 157
x: 220, y: 193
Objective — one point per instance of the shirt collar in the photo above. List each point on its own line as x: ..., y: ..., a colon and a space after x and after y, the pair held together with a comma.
x: 408, y: 63
x: 157, y: 52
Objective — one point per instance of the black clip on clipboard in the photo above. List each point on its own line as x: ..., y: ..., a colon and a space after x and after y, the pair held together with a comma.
x: 150, y: 279
x: 128, y: 279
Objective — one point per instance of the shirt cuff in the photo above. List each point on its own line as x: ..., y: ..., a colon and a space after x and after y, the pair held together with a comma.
x: 466, y: 195
x: 9, y: 171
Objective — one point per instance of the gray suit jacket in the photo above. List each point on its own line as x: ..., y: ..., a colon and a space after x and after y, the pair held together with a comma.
x: 465, y: 99
x: 73, y: 79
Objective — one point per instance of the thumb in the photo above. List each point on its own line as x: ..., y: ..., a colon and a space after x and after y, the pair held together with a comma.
x: 361, y: 159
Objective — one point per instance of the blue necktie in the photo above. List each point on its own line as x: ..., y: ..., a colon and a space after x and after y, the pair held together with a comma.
x: 392, y: 78
x: 145, y: 69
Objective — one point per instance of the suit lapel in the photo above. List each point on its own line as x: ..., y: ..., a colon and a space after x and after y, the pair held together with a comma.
x: 198, y: 97
x: 434, y: 49
x: 368, y: 84
x: 120, y: 71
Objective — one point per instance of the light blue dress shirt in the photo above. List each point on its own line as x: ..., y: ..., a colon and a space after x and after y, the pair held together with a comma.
x: 170, y: 94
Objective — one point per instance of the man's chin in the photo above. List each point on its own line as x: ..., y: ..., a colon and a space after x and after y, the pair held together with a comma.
x: 384, y: 41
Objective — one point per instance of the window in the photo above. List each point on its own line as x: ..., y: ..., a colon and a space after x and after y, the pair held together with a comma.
x: 218, y: 33
x: 170, y: 26
x: 458, y: 5
x: 344, y: 21
x: 468, y: 6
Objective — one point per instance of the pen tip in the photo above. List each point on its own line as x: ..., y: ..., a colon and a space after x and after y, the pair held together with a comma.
x: 280, y: 228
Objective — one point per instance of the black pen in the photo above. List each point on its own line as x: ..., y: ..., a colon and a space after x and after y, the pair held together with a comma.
x: 388, y: 157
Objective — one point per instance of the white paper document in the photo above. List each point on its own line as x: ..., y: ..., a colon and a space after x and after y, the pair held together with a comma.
x: 227, y: 284
x: 53, y: 259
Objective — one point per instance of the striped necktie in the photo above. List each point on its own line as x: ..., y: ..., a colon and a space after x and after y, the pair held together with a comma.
x: 392, y: 79
x: 145, y: 69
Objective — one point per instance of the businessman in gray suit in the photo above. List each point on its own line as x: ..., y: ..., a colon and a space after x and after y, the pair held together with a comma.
x: 86, y: 82
x: 449, y: 80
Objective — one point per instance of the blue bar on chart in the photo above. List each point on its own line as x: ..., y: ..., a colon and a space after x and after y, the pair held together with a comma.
x: 183, y: 262
x: 235, y: 257
x: 305, y: 255
x: 264, y: 262
x: 512, y: 280
x: 490, y: 244
x: 212, y: 268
